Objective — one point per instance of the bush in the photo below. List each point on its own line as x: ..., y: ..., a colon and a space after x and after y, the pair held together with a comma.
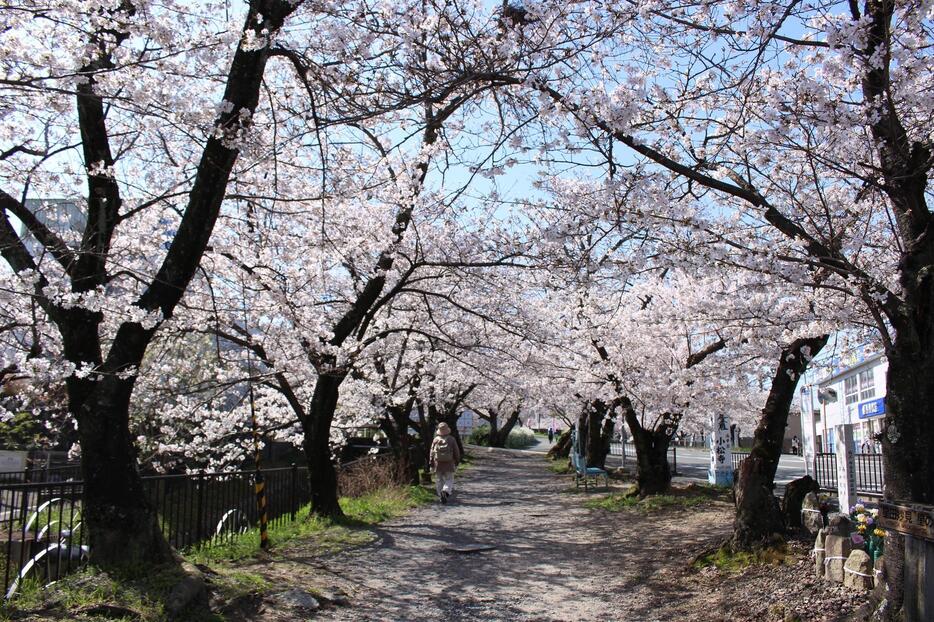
x: 369, y: 474
x: 480, y: 436
x: 519, y: 438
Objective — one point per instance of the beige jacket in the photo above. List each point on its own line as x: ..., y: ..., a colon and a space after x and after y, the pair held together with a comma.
x: 444, y: 467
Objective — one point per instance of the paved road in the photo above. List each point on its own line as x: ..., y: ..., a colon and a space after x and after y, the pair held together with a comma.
x: 694, y: 462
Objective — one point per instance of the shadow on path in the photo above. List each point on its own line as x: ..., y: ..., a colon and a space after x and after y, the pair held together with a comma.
x: 554, y: 559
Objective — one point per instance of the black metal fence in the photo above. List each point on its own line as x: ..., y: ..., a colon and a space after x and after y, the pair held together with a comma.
x: 825, y: 470
x: 627, y: 451
x: 44, y: 538
x: 868, y: 471
x: 39, y: 474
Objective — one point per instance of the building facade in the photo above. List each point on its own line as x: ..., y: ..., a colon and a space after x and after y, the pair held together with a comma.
x: 852, y: 395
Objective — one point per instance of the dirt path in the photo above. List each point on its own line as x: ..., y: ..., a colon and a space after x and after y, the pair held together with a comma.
x: 554, y: 560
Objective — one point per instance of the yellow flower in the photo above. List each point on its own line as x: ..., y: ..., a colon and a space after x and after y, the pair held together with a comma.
x: 861, y: 528
x: 874, y: 512
x: 879, y: 532
x: 861, y: 518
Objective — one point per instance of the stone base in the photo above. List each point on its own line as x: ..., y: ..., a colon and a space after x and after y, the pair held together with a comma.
x: 857, y: 572
x: 837, y: 551
x: 720, y: 477
x: 819, y: 555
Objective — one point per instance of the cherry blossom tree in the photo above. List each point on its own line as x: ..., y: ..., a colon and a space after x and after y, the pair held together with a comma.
x: 810, y: 120
x: 104, y: 97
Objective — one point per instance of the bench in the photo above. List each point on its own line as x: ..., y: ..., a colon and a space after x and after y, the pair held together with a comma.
x: 584, y: 473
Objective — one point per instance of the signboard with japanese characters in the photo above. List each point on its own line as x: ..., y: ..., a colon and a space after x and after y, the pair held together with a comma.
x: 909, y: 518
x: 846, y: 467
x: 721, y: 456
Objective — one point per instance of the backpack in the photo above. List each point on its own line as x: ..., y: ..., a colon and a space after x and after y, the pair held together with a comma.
x: 444, y: 451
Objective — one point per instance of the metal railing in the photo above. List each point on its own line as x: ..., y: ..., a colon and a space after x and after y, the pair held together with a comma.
x: 738, y: 457
x: 869, y: 474
x: 868, y: 470
x: 41, y: 524
x: 825, y: 470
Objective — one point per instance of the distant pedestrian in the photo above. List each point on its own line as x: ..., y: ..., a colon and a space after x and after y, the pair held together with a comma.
x: 445, y: 456
x: 551, y: 435
x: 795, y: 445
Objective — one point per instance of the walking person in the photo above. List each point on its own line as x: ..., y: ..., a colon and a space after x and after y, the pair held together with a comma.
x: 445, y: 456
x: 795, y: 445
x: 551, y: 435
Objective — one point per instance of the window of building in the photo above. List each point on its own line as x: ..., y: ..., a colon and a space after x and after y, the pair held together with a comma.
x: 851, y: 389
x: 867, y: 382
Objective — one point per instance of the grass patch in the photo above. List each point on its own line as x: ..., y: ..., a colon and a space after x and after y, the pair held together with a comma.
x: 560, y: 467
x: 90, y: 594
x: 385, y: 504
x: 328, y: 535
x: 691, y: 496
x: 730, y: 561
x: 465, y: 463
x: 229, y: 583
x: 97, y: 595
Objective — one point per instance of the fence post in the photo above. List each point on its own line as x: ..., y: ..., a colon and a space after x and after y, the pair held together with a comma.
x: 292, y: 500
x: 259, y: 488
x: 199, y: 512
x: 24, y: 508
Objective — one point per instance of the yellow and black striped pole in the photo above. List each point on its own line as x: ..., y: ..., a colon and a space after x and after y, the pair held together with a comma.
x: 260, y: 482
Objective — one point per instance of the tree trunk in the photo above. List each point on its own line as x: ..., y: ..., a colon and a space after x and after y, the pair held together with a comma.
x: 500, y: 435
x: 561, y: 448
x: 395, y: 425
x: 606, y: 439
x: 757, y: 514
x: 598, y: 433
x: 907, y: 445
x: 426, y: 430
x: 653, y: 474
x: 322, y: 476
x: 121, y: 522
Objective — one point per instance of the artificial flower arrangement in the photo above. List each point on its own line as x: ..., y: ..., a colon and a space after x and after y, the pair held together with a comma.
x: 868, y: 535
